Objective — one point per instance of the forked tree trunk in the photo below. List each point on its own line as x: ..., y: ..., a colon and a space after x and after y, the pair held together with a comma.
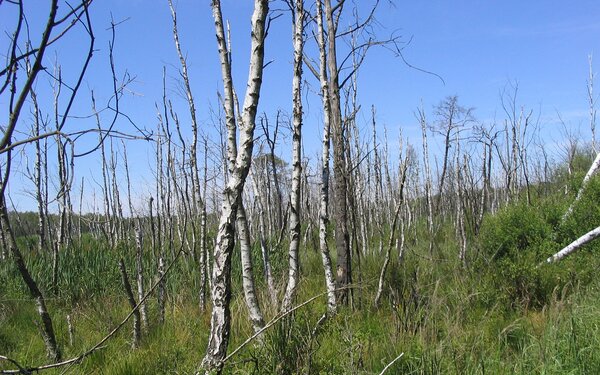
x: 224, y: 244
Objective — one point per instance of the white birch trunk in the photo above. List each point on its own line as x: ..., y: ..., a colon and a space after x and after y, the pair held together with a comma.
x: 575, y: 245
x: 256, y: 316
x: 293, y: 273
x: 593, y: 169
x: 224, y: 244
x: 427, y: 180
x: 324, y: 198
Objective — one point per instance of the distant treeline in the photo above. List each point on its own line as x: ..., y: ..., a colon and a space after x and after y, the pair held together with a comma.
x: 26, y: 223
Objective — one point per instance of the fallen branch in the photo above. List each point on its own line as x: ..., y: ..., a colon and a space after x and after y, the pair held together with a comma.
x: 575, y: 245
x: 390, y: 364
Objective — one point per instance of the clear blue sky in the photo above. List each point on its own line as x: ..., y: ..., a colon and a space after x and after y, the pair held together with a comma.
x: 476, y: 46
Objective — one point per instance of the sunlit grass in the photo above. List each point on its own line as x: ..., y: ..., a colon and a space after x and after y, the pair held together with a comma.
x: 444, y: 318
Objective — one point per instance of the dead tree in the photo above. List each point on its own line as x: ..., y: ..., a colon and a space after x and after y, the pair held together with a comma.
x: 19, y: 89
x: 40, y: 175
x: 390, y: 244
x: 139, y: 246
x: 451, y: 119
x: 294, y: 267
x: 262, y: 237
x: 204, y: 259
x: 342, y: 238
x: 198, y: 205
x: 575, y: 245
x: 240, y: 165
x: 133, y: 304
x: 324, y: 196
x: 243, y: 233
x: 592, y: 103
x: 275, y: 220
x: 427, y: 177
x: 586, y: 179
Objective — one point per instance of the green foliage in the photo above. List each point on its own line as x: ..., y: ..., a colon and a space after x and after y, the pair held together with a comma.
x: 584, y: 217
x: 514, y: 241
x: 503, y: 313
x: 512, y: 231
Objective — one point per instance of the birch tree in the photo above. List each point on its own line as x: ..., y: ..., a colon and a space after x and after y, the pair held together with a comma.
x: 232, y: 193
x: 293, y: 274
x: 324, y: 196
x: 575, y: 245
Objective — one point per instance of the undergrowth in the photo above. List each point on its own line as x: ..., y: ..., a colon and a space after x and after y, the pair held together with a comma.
x: 506, y: 312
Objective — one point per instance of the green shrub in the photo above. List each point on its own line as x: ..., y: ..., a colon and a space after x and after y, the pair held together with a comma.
x: 515, y: 241
x: 513, y: 230
x: 584, y: 217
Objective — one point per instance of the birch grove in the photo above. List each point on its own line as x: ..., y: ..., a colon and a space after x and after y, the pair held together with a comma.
x: 277, y: 225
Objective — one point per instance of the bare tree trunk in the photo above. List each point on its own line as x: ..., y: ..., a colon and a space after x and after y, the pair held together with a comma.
x: 276, y: 220
x: 132, y: 303
x: 592, y: 103
x: 392, y: 232
x: 140, y: 274
x: 460, y: 220
x: 38, y: 177
x: 3, y: 243
x: 256, y: 316
x: 342, y: 239
x: 138, y: 246
x: 427, y: 178
x: 198, y: 203
x: 268, y: 272
x: 484, y: 189
x: 108, y: 223
x: 324, y: 198
x: 204, y: 258
x: 47, y: 329
x: 294, y: 270
x: 221, y: 274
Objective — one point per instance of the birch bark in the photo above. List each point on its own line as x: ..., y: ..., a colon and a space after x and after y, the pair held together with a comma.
x: 293, y: 273
x: 324, y: 196
x: 224, y: 243
x: 575, y: 245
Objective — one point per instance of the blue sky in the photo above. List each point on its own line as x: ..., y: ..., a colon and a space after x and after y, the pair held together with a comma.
x: 477, y: 47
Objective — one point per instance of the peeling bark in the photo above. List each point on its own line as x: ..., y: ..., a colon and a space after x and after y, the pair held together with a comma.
x: 224, y: 244
x: 293, y: 273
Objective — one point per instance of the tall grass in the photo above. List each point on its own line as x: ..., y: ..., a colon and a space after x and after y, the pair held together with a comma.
x: 502, y: 314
